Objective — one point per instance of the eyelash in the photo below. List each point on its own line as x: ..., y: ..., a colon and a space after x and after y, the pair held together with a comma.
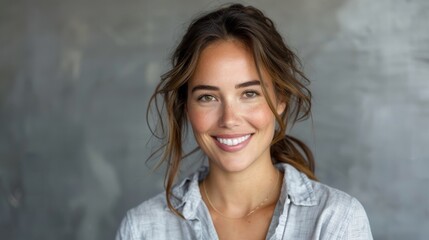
x: 203, y: 98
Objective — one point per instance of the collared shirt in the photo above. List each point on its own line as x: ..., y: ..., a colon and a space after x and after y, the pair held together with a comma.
x: 306, y: 209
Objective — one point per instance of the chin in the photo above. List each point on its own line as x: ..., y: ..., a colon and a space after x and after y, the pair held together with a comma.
x: 234, y: 165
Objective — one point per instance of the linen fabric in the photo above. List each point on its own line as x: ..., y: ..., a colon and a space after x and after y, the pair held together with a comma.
x: 306, y: 209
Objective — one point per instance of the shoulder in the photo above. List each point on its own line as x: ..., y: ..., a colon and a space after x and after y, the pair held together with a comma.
x: 330, y: 211
x: 333, y: 198
x: 149, y: 209
x: 345, y: 213
x: 139, y: 220
x: 153, y: 219
x: 307, y: 192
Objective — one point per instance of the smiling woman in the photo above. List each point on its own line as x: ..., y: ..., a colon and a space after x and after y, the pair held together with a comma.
x: 231, y: 120
x: 237, y: 84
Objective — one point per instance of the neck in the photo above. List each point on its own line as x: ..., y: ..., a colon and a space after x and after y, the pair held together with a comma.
x: 239, y: 193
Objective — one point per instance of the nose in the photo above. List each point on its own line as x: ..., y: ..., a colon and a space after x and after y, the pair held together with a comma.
x: 230, y: 116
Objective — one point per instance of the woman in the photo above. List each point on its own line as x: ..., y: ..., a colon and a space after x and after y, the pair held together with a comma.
x: 237, y: 84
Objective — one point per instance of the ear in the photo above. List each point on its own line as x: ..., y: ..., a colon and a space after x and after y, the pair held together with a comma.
x: 281, y: 106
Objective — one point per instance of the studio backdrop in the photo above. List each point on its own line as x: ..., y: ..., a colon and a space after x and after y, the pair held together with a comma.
x: 76, y: 76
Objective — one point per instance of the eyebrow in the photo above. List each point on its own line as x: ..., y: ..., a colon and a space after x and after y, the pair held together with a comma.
x: 213, y: 88
x: 248, y: 84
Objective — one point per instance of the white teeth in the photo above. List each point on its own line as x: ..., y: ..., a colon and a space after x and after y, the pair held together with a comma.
x: 233, y: 141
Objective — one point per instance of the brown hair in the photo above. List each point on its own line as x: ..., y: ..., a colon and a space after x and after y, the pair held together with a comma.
x: 251, y: 27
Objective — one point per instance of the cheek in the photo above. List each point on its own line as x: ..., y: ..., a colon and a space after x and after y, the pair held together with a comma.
x: 261, y: 116
x: 199, y: 120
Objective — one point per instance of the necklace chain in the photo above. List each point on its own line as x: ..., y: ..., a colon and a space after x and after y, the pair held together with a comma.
x: 251, y: 211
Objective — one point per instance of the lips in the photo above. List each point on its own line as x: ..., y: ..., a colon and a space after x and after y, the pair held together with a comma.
x: 232, y: 143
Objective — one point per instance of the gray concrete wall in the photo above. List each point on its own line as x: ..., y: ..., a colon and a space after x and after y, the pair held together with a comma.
x: 75, y: 77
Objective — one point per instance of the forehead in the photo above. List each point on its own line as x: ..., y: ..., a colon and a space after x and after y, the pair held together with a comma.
x: 226, y: 60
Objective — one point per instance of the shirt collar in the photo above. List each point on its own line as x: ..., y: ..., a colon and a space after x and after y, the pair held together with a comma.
x: 187, y: 197
x: 297, y: 186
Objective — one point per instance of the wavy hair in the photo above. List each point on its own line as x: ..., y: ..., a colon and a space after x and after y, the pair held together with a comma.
x: 252, y: 28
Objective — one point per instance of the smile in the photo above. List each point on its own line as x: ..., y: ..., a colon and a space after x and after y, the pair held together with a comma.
x: 233, y: 141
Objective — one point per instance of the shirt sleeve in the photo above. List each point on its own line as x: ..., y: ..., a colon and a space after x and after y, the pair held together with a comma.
x: 358, y: 227
x: 126, y: 229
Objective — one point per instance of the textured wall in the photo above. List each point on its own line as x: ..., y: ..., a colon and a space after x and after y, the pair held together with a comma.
x: 75, y: 77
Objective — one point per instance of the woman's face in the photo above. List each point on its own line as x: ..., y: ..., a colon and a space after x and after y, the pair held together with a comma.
x: 229, y: 115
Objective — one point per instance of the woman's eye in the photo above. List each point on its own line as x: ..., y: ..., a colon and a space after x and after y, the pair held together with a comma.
x: 250, y: 94
x: 206, y: 98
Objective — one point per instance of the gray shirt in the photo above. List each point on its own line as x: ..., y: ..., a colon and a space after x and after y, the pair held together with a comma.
x: 306, y: 209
